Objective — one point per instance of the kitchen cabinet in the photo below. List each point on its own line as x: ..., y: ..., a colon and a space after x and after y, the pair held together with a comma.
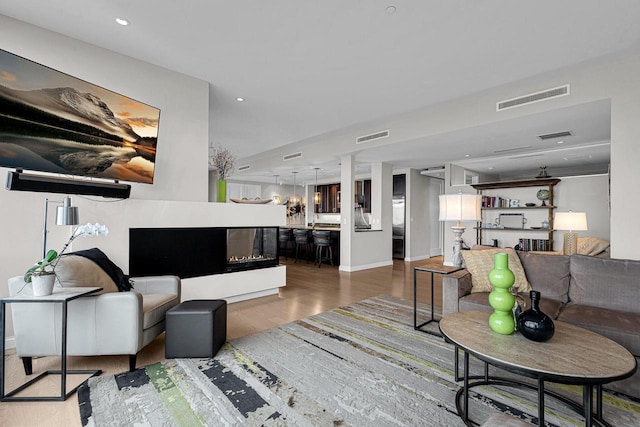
x: 329, y: 198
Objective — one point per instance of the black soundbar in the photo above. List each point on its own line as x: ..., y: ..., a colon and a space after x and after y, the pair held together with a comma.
x: 20, y: 181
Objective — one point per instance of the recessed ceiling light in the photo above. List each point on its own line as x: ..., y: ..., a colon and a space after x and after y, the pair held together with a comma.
x: 122, y: 21
x: 490, y: 168
x: 559, y: 142
x: 391, y: 10
x: 467, y: 155
x: 240, y: 99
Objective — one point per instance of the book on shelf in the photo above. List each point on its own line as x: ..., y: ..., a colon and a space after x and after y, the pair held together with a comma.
x: 534, y: 245
x: 497, y: 202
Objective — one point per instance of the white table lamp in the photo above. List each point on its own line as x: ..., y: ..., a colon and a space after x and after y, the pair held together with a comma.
x: 572, y: 222
x: 459, y: 207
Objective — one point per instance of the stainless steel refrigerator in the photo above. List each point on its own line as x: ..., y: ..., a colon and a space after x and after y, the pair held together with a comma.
x: 398, y: 227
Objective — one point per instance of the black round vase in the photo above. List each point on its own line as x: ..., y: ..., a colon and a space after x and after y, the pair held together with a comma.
x: 534, y: 324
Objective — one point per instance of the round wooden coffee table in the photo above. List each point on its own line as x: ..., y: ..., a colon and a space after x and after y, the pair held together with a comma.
x: 573, y: 356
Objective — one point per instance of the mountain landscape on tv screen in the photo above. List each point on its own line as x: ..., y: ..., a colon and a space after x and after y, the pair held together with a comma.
x: 75, y: 132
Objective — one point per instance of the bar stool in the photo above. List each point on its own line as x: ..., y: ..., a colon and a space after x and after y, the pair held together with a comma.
x: 322, y: 239
x: 284, y: 237
x: 301, y: 238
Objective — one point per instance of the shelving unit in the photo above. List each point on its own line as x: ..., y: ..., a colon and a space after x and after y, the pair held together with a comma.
x: 550, y: 183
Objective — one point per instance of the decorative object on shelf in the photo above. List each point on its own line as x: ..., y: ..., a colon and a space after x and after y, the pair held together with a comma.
x: 543, y: 196
x: 502, y: 301
x: 47, y: 265
x: 222, y: 161
x: 545, y: 224
x: 543, y: 173
x: 459, y: 207
x: 572, y: 222
x: 252, y: 201
x: 533, y: 324
x: 529, y: 204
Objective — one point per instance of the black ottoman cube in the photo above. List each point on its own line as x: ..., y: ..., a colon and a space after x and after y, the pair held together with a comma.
x: 196, y: 328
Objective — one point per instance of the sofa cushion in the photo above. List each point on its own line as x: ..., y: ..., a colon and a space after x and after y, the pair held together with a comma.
x: 622, y: 327
x: 548, y: 274
x: 76, y: 271
x: 605, y: 283
x: 480, y: 263
x: 480, y: 301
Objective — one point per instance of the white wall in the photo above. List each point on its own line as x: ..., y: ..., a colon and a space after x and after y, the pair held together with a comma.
x: 418, y: 231
x: 181, y: 163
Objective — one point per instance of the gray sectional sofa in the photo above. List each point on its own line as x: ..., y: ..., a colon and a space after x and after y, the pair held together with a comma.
x: 602, y: 295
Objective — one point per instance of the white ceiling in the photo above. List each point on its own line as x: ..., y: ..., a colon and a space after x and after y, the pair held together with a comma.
x: 308, y: 68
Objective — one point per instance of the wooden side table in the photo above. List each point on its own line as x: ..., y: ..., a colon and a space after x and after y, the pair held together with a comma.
x: 59, y: 296
x: 435, y: 269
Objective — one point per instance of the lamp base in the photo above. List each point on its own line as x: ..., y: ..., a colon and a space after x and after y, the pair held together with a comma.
x: 457, y: 245
x: 570, y: 243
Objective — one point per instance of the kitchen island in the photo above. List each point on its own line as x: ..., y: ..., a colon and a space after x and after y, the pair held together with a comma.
x: 335, y: 240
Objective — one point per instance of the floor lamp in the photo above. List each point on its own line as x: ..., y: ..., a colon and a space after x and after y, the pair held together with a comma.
x: 572, y: 222
x: 65, y: 215
x: 459, y: 207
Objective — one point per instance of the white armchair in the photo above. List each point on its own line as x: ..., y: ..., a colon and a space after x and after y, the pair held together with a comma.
x: 107, y: 323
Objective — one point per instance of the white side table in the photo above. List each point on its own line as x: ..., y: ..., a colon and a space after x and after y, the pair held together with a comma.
x: 59, y: 296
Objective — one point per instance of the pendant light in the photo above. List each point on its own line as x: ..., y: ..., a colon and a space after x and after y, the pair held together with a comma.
x: 294, y: 197
x: 316, y: 194
x: 276, y: 197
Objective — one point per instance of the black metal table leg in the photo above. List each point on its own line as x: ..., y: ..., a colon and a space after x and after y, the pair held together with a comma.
x: 415, y: 299
x: 466, y: 388
x: 540, y: 401
x: 587, y: 402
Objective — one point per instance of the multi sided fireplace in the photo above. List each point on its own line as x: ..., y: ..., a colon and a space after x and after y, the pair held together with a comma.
x: 201, y: 251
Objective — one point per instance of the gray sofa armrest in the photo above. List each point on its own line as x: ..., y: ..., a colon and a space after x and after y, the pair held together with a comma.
x: 454, y: 286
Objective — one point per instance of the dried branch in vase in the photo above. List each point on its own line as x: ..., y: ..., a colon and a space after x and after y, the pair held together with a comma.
x: 221, y: 160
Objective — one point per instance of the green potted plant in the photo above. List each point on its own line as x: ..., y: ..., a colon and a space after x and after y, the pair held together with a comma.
x: 42, y: 274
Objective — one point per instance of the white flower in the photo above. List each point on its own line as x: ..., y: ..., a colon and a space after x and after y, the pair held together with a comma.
x: 90, y: 230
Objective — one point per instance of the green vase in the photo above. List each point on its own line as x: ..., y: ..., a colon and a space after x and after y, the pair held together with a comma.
x: 501, y: 320
x: 222, y: 191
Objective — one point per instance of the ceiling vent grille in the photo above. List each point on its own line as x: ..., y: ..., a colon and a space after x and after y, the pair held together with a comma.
x: 563, y: 134
x: 533, y: 97
x: 292, y: 156
x: 372, y: 137
x: 244, y: 168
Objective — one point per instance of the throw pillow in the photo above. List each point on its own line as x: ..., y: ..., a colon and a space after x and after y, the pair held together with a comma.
x: 76, y: 271
x: 591, y: 246
x: 480, y: 263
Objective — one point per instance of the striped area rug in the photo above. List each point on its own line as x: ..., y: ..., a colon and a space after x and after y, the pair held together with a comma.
x: 359, y: 365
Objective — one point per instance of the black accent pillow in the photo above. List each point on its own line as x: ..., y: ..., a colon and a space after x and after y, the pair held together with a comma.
x: 113, y: 271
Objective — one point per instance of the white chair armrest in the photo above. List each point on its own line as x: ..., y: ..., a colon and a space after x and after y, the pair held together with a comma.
x: 157, y: 285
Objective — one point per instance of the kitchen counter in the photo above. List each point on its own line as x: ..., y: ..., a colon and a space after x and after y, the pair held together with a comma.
x: 317, y: 227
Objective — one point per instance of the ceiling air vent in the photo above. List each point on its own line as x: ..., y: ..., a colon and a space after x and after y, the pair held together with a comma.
x: 371, y: 137
x: 555, y: 135
x: 533, y: 97
x: 244, y: 168
x: 292, y: 156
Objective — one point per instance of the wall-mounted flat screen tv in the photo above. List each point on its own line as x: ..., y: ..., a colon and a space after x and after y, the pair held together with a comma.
x: 53, y: 122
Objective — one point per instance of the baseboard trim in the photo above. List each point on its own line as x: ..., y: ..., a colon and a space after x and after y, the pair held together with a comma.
x: 417, y: 258
x: 9, y: 342
x: 251, y: 295
x: 351, y: 269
